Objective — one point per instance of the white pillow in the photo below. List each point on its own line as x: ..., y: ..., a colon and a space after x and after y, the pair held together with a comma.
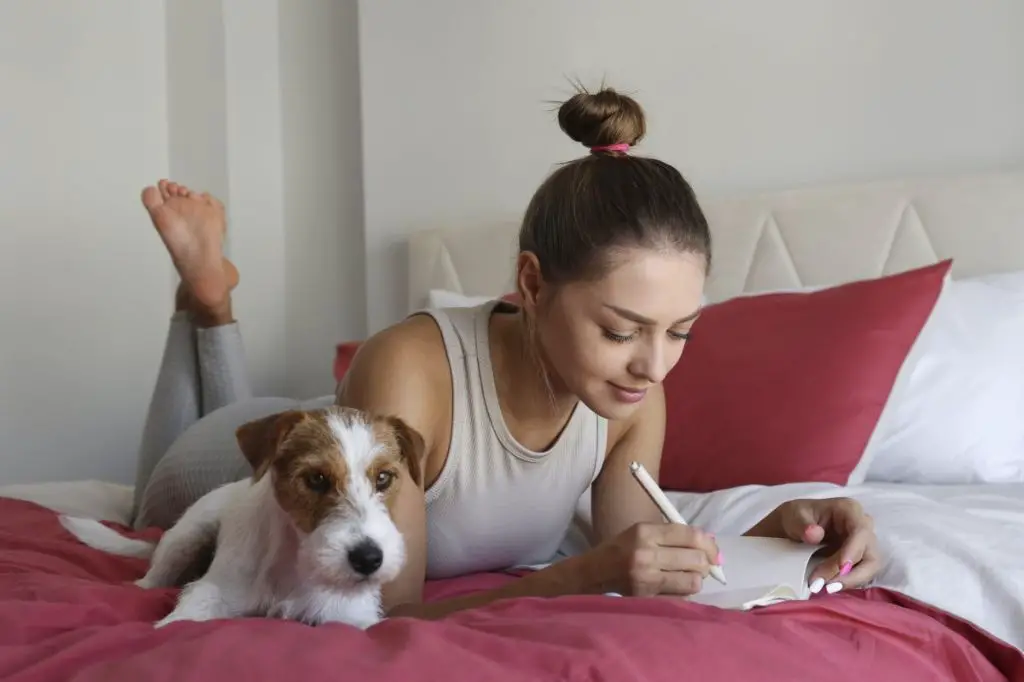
x: 441, y: 298
x: 960, y: 418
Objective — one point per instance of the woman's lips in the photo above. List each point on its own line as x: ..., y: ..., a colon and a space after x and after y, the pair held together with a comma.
x: 628, y: 395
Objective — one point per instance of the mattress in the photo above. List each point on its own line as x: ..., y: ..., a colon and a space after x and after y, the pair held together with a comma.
x: 68, y: 612
x: 959, y: 548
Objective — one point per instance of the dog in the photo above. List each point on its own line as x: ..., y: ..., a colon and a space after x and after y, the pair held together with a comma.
x: 308, y: 537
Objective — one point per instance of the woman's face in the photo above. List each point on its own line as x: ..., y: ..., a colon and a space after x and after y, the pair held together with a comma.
x: 608, y: 341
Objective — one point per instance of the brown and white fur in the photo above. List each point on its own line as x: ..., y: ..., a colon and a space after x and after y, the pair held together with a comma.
x: 309, y: 537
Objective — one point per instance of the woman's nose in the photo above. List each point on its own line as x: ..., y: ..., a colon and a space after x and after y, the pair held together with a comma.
x: 653, y: 363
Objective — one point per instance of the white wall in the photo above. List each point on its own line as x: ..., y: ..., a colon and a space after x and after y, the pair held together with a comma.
x: 225, y: 137
x: 265, y: 114
x: 256, y: 101
x: 740, y: 95
x: 85, y: 287
x: 269, y: 103
x: 323, y: 191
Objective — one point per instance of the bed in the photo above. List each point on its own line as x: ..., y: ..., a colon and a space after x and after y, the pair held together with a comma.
x: 947, y: 605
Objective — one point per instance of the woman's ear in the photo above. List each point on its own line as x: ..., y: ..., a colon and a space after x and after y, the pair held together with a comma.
x: 529, y: 280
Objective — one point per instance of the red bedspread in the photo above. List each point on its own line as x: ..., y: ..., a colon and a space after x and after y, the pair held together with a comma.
x: 67, y: 614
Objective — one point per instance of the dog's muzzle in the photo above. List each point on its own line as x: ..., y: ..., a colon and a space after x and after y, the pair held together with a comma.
x: 366, y: 557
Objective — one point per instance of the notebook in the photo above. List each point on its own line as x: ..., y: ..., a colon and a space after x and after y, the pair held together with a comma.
x: 760, y: 571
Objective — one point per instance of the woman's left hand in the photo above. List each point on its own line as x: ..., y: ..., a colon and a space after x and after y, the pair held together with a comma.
x: 842, y: 525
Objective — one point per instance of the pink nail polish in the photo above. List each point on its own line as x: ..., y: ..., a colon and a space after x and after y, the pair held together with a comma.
x: 718, y: 559
x: 846, y: 568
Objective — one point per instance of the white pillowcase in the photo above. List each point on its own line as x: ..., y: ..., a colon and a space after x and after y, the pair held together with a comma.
x: 960, y: 418
x: 441, y: 298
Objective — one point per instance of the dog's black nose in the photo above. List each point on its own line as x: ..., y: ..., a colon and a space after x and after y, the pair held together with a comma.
x: 366, y: 557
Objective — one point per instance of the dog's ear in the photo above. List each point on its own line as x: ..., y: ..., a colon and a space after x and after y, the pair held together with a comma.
x: 259, y: 439
x: 411, y: 444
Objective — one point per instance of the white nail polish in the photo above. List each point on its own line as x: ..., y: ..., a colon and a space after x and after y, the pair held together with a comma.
x: 832, y: 588
x: 816, y: 585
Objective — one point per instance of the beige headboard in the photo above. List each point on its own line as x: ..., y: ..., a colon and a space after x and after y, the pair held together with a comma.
x: 808, y: 236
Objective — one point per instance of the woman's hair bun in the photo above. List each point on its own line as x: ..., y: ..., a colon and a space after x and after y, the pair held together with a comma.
x: 602, y: 118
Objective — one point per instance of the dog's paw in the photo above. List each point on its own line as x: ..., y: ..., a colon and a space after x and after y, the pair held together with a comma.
x: 176, y: 617
x: 164, y: 622
x: 366, y: 624
x: 363, y: 622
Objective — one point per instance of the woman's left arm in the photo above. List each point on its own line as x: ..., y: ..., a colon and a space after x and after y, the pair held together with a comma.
x: 618, y: 502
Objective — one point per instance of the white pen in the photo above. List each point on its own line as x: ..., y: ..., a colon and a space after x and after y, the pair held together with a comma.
x: 667, y: 508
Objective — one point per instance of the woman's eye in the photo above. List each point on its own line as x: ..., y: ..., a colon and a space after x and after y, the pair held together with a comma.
x: 617, y: 338
x: 679, y: 336
x: 384, y: 481
x: 317, y: 482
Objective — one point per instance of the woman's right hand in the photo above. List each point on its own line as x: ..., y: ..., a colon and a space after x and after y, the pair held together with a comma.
x: 651, y: 559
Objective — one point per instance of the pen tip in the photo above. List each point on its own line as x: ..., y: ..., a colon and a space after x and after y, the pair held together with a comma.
x: 633, y: 466
x: 719, y: 575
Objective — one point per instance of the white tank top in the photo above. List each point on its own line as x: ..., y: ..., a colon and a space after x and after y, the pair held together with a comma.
x: 496, y: 504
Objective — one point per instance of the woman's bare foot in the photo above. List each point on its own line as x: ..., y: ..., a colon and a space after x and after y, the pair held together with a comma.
x: 192, y: 227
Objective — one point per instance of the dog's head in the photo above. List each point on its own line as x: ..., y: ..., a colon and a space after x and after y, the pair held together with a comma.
x: 336, y: 472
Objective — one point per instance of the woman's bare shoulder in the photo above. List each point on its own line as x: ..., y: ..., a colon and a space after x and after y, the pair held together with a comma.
x: 401, y: 370
x: 414, y: 344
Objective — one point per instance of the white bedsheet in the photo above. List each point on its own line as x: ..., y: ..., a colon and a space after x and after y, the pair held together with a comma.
x: 959, y: 548
x: 88, y: 498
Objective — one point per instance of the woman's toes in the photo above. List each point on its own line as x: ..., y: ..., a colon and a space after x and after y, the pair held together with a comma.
x: 212, y: 201
x: 165, y: 191
x: 152, y: 198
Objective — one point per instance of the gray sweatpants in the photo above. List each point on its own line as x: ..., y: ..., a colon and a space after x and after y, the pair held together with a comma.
x: 201, y: 396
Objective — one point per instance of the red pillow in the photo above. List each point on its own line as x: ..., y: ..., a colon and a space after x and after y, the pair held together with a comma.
x: 343, y: 354
x: 788, y: 387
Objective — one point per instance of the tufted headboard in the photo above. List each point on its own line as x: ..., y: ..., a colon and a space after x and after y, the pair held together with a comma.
x: 801, y: 237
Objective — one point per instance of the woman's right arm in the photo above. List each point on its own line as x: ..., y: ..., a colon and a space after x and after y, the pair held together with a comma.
x: 403, y: 371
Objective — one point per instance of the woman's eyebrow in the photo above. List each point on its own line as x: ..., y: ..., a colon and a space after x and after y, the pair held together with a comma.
x: 640, y: 319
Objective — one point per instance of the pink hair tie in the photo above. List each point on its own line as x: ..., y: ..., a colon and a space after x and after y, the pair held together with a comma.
x: 617, y: 147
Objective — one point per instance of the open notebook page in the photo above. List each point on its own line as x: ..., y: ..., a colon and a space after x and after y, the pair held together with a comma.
x: 760, y: 571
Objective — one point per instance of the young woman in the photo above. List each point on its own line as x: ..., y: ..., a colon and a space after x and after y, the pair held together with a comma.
x: 521, y: 407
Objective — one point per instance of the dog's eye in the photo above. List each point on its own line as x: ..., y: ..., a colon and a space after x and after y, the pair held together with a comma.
x: 384, y: 480
x: 317, y: 482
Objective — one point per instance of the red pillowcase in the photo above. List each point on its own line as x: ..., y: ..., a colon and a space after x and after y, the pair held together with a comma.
x: 343, y: 354
x: 788, y: 387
